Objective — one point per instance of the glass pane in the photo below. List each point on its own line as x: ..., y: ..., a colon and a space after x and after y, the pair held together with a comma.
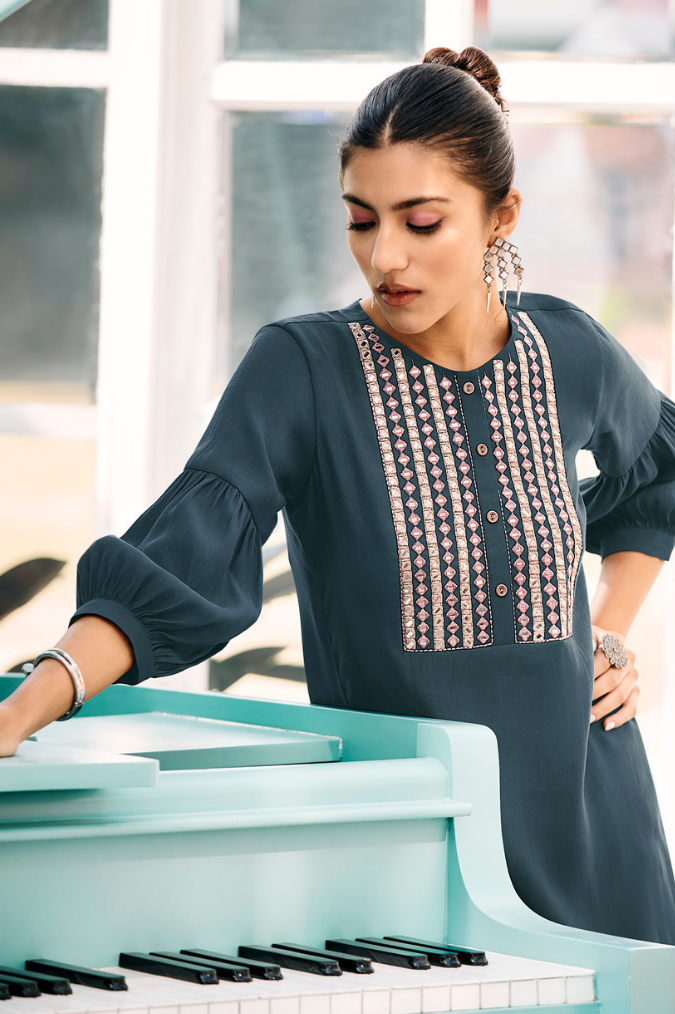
x: 381, y: 27
x: 628, y: 28
x: 46, y: 525
x: 596, y: 227
x: 50, y: 223
x: 57, y: 24
x: 288, y: 247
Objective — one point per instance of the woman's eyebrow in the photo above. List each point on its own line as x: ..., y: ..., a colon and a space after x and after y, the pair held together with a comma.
x: 401, y: 206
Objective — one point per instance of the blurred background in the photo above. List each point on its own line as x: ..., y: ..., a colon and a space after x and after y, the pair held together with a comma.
x: 168, y: 184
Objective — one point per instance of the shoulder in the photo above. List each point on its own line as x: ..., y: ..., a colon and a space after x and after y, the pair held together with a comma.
x: 323, y: 339
x: 572, y: 334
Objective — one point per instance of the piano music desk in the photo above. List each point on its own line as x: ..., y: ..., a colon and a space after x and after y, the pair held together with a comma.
x: 292, y: 822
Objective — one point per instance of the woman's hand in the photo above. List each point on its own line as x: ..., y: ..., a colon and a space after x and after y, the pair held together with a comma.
x: 613, y: 688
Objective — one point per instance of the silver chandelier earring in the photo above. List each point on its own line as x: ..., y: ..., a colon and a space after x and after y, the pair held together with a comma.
x: 488, y: 268
x: 503, y: 249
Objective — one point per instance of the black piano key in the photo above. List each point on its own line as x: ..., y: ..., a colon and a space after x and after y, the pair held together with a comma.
x: 184, y: 970
x: 385, y: 955
x: 291, y: 959
x: 19, y: 985
x: 347, y: 962
x: 78, y: 974
x: 235, y: 973
x: 4, y: 992
x: 54, y: 984
x: 258, y: 969
x: 467, y: 955
x: 436, y: 955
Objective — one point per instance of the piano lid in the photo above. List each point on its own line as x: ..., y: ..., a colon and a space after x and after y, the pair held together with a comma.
x: 38, y: 767
x: 180, y: 742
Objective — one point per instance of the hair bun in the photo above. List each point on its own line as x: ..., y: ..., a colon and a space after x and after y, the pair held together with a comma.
x: 473, y: 61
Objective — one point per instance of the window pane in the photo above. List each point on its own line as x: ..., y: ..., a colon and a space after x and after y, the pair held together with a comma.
x: 288, y: 248
x: 596, y: 227
x: 57, y: 24
x: 50, y: 223
x: 627, y: 28
x: 269, y: 28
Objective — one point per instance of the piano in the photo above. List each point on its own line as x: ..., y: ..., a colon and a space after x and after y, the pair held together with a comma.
x: 163, y: 834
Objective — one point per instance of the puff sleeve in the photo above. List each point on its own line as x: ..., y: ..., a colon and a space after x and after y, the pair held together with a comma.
x: 187, y: 576
x: 630, y: 505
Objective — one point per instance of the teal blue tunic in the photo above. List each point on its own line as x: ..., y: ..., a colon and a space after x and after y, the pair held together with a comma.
x: 436, y: 527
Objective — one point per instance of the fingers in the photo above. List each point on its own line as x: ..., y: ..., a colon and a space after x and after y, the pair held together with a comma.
x: 611, y: 677
x: 625, y: 696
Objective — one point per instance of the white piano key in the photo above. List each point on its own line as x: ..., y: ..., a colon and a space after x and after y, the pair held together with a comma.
x: 318, y: 1003
x: 551, y: 990
x: 285, y: 1005
x: 406, y: 1000
x: 494, y: 994
x: 580, y: 988
x: 345, y: 1003
x: 218, y: 1007
x: 376, y: 1001
x: 435, y: 999
x: 465, y: 996
x: 523, y: 992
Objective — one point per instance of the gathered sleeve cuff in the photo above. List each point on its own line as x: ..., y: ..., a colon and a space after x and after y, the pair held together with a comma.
x: 183, y: 581
x: 635, y: 511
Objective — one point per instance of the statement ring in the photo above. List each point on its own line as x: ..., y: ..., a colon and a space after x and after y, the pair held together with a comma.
x: 615, y: 653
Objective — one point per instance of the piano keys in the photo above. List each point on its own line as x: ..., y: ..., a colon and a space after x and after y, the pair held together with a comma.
x: 505, y: 982
x: 466, y: 955
x: 257, y: 969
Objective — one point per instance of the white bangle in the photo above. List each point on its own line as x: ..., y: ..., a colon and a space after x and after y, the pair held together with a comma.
x: 71, y: 665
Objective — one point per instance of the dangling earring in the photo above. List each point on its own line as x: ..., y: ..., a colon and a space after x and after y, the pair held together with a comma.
x: 487, y: 273
x: 372, y: 301
x: 517, y: 266
x: 501, y: 247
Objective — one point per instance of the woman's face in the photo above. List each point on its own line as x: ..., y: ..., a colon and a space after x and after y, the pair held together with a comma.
x: 417, y: 232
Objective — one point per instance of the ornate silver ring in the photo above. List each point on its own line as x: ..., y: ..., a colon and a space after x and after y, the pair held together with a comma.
x: 614, y: 651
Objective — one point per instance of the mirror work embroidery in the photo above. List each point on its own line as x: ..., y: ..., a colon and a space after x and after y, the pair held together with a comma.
x: 426, y: 456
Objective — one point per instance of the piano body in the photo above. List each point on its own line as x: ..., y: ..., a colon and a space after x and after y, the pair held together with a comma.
x: 159, y: 820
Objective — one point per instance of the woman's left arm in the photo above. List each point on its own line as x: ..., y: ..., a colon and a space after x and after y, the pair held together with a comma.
x: 625, y: 581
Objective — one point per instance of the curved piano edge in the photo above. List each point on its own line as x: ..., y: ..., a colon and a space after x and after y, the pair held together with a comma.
x: 632, y: 976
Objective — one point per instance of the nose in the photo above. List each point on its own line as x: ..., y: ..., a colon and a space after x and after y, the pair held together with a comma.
x: 389, y: 252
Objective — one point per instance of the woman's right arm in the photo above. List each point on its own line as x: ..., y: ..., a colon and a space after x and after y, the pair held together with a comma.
x: 187, y: 576
x: 103, y: 654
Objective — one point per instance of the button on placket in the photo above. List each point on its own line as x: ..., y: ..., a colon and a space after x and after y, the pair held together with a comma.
x: 482, y: 449
x: 468, y: 387
x: 502, y: 590
x: 492, y: 517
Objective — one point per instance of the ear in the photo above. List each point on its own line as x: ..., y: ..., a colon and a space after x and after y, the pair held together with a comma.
x: 506, y: 216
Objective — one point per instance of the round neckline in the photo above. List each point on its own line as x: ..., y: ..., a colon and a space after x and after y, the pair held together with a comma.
x: 423, y: 359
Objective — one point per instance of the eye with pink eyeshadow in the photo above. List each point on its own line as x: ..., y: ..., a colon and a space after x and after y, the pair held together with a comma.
x: 424, y: 222
x: 359, y: 220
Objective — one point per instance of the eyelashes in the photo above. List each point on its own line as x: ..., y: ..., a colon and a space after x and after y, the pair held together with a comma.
x: 421, y: 230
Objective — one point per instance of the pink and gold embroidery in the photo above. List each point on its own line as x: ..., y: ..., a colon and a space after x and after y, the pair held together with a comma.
x: 538, y: 632
x: 426, y: 456
x: 389, y: 465
x: 458, y: 520
x: 427, y: 504
x: 568, y: 514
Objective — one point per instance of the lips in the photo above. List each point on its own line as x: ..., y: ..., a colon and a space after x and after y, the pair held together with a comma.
x: 397, y: 295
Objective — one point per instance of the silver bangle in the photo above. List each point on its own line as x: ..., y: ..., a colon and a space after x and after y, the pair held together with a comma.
x: 71, y: 665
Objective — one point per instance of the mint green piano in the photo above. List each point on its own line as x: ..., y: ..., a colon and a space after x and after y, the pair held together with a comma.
x: 159, y: 820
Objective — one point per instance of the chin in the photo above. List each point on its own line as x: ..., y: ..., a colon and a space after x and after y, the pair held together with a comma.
x: 410, y: 319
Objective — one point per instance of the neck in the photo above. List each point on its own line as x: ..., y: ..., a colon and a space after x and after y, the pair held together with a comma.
x: 464, y: 339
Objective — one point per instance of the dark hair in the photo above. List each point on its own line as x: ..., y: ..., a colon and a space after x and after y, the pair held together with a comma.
x: 450, y: 101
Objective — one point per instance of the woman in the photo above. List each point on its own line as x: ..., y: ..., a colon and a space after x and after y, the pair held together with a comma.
x: 423, y: 451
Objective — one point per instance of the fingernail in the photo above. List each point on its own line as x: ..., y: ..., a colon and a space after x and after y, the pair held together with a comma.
x: 610, y: 725
x: 594, y: 718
